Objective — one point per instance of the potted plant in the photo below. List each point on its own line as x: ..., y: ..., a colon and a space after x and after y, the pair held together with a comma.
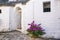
x: 35, y: 30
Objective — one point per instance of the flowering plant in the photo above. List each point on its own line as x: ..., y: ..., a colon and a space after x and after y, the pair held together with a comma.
x: 35, y: 30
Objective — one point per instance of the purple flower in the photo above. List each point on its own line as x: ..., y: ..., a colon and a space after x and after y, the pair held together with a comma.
x: 34, y: 27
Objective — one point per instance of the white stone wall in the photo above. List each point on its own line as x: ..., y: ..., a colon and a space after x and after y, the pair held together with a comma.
x: 9, y: 18
x: 27, y: 15
x: 50, y: 21
x: 4, y: 18
x: 14, y: 19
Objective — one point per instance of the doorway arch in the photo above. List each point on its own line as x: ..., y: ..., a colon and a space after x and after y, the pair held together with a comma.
x: 19, y: 15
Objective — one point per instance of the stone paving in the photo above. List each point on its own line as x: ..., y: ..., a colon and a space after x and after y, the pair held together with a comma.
x: 13, y: 35
x: 17, y: 35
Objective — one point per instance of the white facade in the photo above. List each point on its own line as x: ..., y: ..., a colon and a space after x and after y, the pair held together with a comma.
x: 33, y: 10
x: 9, y: 19
x: 4, y: 18
x: 50, y: 21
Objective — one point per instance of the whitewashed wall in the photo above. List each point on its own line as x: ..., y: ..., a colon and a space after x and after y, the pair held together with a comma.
x: 27, y: 15
x: 4, y: 18
x: 50, y: 21
x: 9, y: 18
x: 14, y: 19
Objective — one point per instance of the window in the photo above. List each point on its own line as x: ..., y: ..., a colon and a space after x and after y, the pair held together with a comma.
x: 0, y: 10
x: 46, y: 7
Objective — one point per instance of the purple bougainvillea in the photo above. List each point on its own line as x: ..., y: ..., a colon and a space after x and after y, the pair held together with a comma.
x: 35, y: 29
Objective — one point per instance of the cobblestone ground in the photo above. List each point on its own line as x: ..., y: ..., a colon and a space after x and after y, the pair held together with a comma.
x: 16, y: 35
